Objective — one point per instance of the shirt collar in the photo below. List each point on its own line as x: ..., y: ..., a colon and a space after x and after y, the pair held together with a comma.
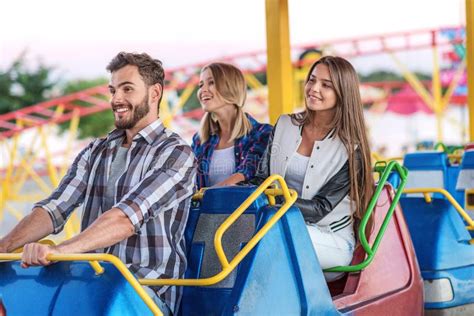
x: 329, y: 135
x: 148, y: 133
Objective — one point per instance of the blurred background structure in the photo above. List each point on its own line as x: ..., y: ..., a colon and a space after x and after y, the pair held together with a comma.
x: 53, y: 96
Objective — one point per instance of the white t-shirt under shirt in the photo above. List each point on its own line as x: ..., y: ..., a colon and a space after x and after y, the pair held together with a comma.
x: 222, y: 165
x: 332, y: 249
x: 295, y: 172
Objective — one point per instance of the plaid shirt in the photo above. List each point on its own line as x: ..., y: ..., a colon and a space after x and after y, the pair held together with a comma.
x: 247, y: 151
x: 154, y: 192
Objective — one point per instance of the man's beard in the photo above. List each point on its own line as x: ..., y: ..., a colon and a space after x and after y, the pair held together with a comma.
x: 139, y: 112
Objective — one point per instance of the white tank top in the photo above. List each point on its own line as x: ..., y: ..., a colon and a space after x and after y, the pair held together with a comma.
x: 296, y: 171
x: 222, y: 165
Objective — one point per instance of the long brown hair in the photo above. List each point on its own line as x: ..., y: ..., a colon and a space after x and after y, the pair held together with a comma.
x: 349, y: 125
x: 231, y: 86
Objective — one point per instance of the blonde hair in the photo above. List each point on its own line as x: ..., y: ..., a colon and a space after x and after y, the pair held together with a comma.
x: 231, y: 86
x: 349, y: 126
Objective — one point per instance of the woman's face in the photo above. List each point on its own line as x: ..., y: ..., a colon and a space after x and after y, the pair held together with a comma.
x: 319, y: 90
x: 208, y: 96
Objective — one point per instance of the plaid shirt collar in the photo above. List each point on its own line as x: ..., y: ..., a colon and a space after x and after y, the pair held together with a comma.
x: 148, y: 133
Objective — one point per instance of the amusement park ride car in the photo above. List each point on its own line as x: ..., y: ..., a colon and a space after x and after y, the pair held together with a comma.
x: 248, y: 255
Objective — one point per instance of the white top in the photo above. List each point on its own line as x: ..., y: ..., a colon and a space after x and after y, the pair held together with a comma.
x: 296, y: 171
x: 222, y: 165
x: 327, y: 158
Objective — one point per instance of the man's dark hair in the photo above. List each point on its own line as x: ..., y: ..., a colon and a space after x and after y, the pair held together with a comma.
x: 150, y: 69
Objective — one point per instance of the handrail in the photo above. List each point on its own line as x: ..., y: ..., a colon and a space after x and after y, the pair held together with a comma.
x: 444, y: 148
x: 228, y: 267
x: 100, y: 257
x: 371, y: 251
x: 447, y: 149
x: 94, y: 264
x: 378, y: 157
x: 271, y: 193
x: 449, y: 197
x: 455, y: 158
x: 199, y: 194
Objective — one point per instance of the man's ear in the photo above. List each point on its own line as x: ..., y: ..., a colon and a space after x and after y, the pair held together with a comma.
x: 156, y: 92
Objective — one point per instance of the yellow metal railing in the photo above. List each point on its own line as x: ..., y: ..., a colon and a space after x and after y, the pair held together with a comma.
x: 378, y: 157
x: 199, y: 194
x: 426, y: 193
x: 94, y: 264
x: 227, y: 267
x: 94, y: 259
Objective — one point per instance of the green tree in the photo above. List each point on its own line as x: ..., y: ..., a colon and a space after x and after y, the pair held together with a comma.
x: 94, y: 125
x: 21, y: 86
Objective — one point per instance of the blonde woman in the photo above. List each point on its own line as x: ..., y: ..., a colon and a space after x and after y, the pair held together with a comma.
x: 230, y: 142
x: 323, y: 154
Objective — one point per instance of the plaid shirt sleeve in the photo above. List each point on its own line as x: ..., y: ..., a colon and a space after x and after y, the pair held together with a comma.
x: 263, y: 170
x: 70, y: 193
x: 196, y: 143
x: 254, y: 148
x: 164, y: 187
x: 198, y: 152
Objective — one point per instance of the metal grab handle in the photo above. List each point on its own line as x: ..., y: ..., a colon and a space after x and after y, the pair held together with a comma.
x: 94, y: 264
x: 371, y: 250
x: 228, y: 267
x: 378, y: 158
x: 449, y: 197
x: 199, y: 194
x: 442, y: 145
x: 272, y: 193
x: 93, y: 259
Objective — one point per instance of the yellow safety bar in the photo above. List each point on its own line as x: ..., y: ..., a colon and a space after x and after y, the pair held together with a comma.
x: 378, y: 157
x: 228, y: 267
x: 449, y: 197
x: 455, y: 158
x: 94, y: 259
x: 199, y: 194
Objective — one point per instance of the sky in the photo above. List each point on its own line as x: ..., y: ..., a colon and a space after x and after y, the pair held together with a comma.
x: 80, y: 37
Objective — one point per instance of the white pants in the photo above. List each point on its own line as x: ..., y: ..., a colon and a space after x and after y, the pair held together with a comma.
x: 332, y: 248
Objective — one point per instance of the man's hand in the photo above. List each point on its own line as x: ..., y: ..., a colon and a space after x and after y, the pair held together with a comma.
x: 34, y: 254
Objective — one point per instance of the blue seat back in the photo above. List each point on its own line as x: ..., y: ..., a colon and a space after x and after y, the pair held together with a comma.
x: 465, y: 179
x: 204, y: 219
x: 442, y: 247
x: 440, y: 237
x: 281, y: 275
x: 426, y: 169
x: 431, y: 169
x: 67, y: 288
x: 437, y: 232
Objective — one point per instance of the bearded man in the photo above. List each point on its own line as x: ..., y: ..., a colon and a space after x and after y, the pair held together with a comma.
x: 135, y: 187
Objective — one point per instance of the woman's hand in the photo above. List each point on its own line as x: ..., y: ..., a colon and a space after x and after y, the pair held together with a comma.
x: 233, y: 179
